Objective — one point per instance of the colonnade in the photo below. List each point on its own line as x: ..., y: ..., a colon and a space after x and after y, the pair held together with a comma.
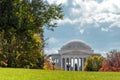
x: 73, y: 63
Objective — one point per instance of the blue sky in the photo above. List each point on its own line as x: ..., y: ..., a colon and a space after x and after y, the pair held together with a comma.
x: 96, y: 22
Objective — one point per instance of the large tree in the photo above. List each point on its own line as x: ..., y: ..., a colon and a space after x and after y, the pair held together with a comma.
x: 21, y: 31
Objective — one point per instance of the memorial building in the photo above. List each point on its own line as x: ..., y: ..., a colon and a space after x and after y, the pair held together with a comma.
x: 72, y: 55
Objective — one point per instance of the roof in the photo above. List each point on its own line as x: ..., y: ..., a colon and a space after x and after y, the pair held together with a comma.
x: 76, y: 44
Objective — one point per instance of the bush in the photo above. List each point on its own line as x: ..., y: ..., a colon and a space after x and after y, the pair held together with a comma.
x: 93, y: 63
x: 47, y: 64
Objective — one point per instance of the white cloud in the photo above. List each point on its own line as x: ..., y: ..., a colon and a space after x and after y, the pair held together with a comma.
x: 52, y: 40
x: 77, y: 11
x: 57, y: 1
x: 100, y: 12
x: 95, y: 12
x: 76, y: 2
x: 70, y: 21
x: 102, y: 52
x: 105, y: 29
x: 116, y: 24
x: 51, y: 50
x: 82, y: 12
x: 65, y: 21
x: 82, y: 31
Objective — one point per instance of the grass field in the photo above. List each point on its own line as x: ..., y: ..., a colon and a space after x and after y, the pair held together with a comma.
x: 33, y: 74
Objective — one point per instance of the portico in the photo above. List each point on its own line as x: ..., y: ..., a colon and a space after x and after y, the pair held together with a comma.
x: 72, y: 55
x: 72, y: 64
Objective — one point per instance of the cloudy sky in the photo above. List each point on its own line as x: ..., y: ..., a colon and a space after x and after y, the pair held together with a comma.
x: 96, y: 22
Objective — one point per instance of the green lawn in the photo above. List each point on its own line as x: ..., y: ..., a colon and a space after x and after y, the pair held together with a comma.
x: 34, y: 74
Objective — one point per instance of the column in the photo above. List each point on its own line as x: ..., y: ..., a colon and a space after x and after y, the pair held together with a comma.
x: 78, y: 64
x: 70, y: 63
x: 82, y: 64
x: 65, y: 64
x: 61, y: 63
x: 73, y: 64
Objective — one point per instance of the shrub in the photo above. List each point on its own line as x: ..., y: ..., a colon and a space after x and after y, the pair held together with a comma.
x: 93, y: 63
x: 47, y: 64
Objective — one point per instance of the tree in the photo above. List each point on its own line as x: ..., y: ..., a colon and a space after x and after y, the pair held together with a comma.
x: 93, y: 63
x: 112, y: 62
x: 21, y: 31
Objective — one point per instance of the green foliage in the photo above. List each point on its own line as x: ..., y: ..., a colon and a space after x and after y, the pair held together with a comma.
x: 93, y: 63
x: 21, y: 31
x: 32, y: 74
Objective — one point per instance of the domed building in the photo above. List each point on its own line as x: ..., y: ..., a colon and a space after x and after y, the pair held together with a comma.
x: 72, y: 55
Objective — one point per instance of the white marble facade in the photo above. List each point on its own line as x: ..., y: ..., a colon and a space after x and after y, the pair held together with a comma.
x: 72, y: 55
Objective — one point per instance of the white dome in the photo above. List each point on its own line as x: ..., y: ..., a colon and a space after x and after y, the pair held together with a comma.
x: 76, y: 44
